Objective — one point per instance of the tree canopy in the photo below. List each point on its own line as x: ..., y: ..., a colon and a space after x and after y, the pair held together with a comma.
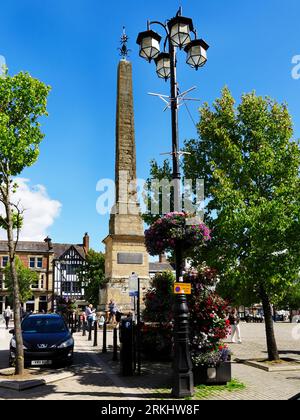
x: 250, y: 165
x: 23, y: 101
x: 92, y: 276
x: 26, y: 279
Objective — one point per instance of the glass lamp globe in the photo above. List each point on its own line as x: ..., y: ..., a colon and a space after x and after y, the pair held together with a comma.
x: 163, y: 66
x: 180, y: 28
x: 149, y: 42
x: 197, y: 53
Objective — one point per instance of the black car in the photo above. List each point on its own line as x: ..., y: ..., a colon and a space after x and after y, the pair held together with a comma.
x: 47, y: 342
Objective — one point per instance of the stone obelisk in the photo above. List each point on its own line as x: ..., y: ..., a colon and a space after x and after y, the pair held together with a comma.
x: 125, y: 245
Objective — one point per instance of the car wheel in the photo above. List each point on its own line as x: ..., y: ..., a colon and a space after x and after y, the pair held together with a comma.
x: 70, y: 362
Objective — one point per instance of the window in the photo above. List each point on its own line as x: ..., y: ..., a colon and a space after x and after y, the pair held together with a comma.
x: 4, y: 261
x: 71, y: 287
x: 36, y: 262
x: 42, y: 281
x: 66, y: 286
x: 35, y: 285
x: 43, y: 325
x: 71, y: 269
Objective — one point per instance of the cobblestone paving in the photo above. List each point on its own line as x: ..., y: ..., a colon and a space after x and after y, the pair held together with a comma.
x: 97, y: 377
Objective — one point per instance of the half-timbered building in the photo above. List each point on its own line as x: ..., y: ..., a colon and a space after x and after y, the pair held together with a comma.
x: 56, y: 265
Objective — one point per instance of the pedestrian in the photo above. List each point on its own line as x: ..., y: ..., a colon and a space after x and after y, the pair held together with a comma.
x: 90, y: 315
x: 82, y: 316
x: 101, y: 321
x: 234, y: 320
x: 7, y: 316
x: 113, y: 309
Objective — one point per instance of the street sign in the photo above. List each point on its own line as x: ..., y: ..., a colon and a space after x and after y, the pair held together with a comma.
x: 182, y: 289
x: 133, y: 285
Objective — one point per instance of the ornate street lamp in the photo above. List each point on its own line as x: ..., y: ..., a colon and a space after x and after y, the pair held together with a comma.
x: 178, y: 35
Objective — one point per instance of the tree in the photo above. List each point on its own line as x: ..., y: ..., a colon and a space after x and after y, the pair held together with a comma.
x: 26, y: 278
x: 156, y: 196
x: 92, y: 276
x: 291, y: 300
x: 250, y: 165
x: 23, y: 100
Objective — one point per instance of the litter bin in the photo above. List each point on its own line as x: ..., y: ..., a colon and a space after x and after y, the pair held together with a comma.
x: 127, y: 352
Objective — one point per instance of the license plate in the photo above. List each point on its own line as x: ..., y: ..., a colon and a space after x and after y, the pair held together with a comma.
x: 41, y: 362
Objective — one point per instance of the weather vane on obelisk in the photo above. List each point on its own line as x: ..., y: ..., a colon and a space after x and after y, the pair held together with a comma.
x: 124, y: 51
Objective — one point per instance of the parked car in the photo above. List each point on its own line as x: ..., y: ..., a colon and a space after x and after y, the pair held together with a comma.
x: 47, y: 342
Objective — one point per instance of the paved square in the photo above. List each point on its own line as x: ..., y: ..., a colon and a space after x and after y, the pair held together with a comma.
x: 96, y: 377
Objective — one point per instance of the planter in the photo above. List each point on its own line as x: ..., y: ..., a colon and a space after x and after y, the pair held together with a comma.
x: 220, y: 375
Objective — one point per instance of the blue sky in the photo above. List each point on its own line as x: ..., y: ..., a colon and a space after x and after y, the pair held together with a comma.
x: 72, y: 45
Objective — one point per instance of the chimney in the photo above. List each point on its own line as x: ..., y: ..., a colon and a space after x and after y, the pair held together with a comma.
x: 86, y: 243
x: 163, y: 258
x: 49, y: 242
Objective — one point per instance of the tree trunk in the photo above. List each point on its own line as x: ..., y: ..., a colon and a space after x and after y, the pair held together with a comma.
x: 19, y: 368
x: 270, y: 334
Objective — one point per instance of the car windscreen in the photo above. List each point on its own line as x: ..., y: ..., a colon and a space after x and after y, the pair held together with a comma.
x: 43, y: 325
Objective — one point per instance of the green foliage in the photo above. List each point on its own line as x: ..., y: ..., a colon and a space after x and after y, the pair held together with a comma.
x: 17, y: 221
x: 159, y: 299
x: 157, y: 173
x: 26, y: 278
x: 250, y: 165
x: 92, y: 276
x: 205, y: 391
x: 291, y: 300
x: 23, y: 100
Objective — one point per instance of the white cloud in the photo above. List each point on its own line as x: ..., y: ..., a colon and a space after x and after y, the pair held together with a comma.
x: 2, y: 65
x: 40, y: 211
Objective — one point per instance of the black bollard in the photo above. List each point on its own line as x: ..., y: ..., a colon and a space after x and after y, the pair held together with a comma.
x: 83, y: 328
x: 90, y: 326
x: 95, y: 334
x: 115, y: 354
x: 104, y: 348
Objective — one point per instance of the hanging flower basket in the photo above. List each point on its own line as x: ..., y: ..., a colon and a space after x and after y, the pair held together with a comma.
x: 173, y: 228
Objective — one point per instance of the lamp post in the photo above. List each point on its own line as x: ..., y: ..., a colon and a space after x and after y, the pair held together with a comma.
x: 178, y: 32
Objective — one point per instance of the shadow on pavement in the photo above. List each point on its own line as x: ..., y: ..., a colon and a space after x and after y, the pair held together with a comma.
x: 4, y: 354
x: 289, y: 352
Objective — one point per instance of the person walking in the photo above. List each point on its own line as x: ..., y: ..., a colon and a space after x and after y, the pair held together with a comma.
x: 90, y: 315
x: 234, y: 320
x: 113, y: 309
x: 7, y: 316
